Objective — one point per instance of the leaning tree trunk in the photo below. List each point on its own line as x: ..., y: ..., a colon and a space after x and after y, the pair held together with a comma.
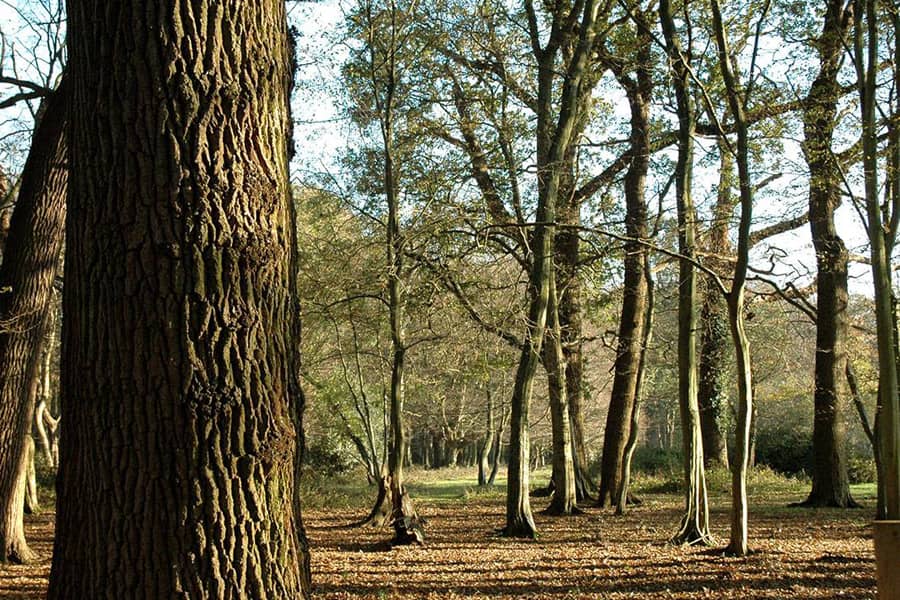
x: 179, y: 397
x: 830, y: 480
x: 694, y: 528
x: 26, y: 278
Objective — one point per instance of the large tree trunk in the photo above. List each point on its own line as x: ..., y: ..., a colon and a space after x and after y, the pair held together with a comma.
x: 694, y: 527
x: 830, y: 480
x: 26, y: 278
x: 179, y: 397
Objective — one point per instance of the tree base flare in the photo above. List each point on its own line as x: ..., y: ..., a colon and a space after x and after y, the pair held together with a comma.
x: 736, y: 551
x: 19, y: 554
x: 521, y: 528
x: 409, y: 528
x: 555, y: 510
x: 380, y: 515
x: 691, y: 535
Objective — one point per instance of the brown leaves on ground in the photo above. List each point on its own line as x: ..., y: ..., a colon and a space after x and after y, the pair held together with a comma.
x: 799, y: 554
x: 30, y: 581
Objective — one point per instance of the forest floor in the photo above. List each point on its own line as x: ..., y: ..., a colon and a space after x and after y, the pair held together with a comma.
x: 798, y: 553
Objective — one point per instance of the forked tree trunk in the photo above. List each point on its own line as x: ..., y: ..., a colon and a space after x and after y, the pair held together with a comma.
x: 26, y: 276
x: 552, y: 143
x: 179, y: 395
x: 830, y: 480
x: 694, y: 527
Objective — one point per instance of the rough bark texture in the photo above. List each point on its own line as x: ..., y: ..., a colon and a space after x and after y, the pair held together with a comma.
x: 830, y: 480
x: 26, y: 280
x: 177, y: 466
x: 712, y: 397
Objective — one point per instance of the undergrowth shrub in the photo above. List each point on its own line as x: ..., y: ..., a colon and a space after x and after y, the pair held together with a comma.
x: 787, y: 450
x: 861, y: 469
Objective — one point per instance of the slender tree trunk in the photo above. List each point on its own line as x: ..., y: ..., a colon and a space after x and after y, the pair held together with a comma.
x: 624, y: 494
x: 26, y: 276
x: 568, y: 245
x: 552, y: 144
x: 46, y: 426
x: 739, y: 540
x: 830, y: 480
x: 32, y: 502
x: 711, y: 395
x: 694, y: 527
x: 563, y: 501
x: 179, y: 397
x: 634, y: 301
x: 738, y: 543
x: 484, y: 451
x: 497, y: 451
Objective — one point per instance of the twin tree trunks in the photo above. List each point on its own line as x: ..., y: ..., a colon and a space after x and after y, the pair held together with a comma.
x: 179, y: 385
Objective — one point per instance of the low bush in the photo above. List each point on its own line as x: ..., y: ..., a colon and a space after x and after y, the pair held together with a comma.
x: 861, y: 469
x: 787, y: 450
